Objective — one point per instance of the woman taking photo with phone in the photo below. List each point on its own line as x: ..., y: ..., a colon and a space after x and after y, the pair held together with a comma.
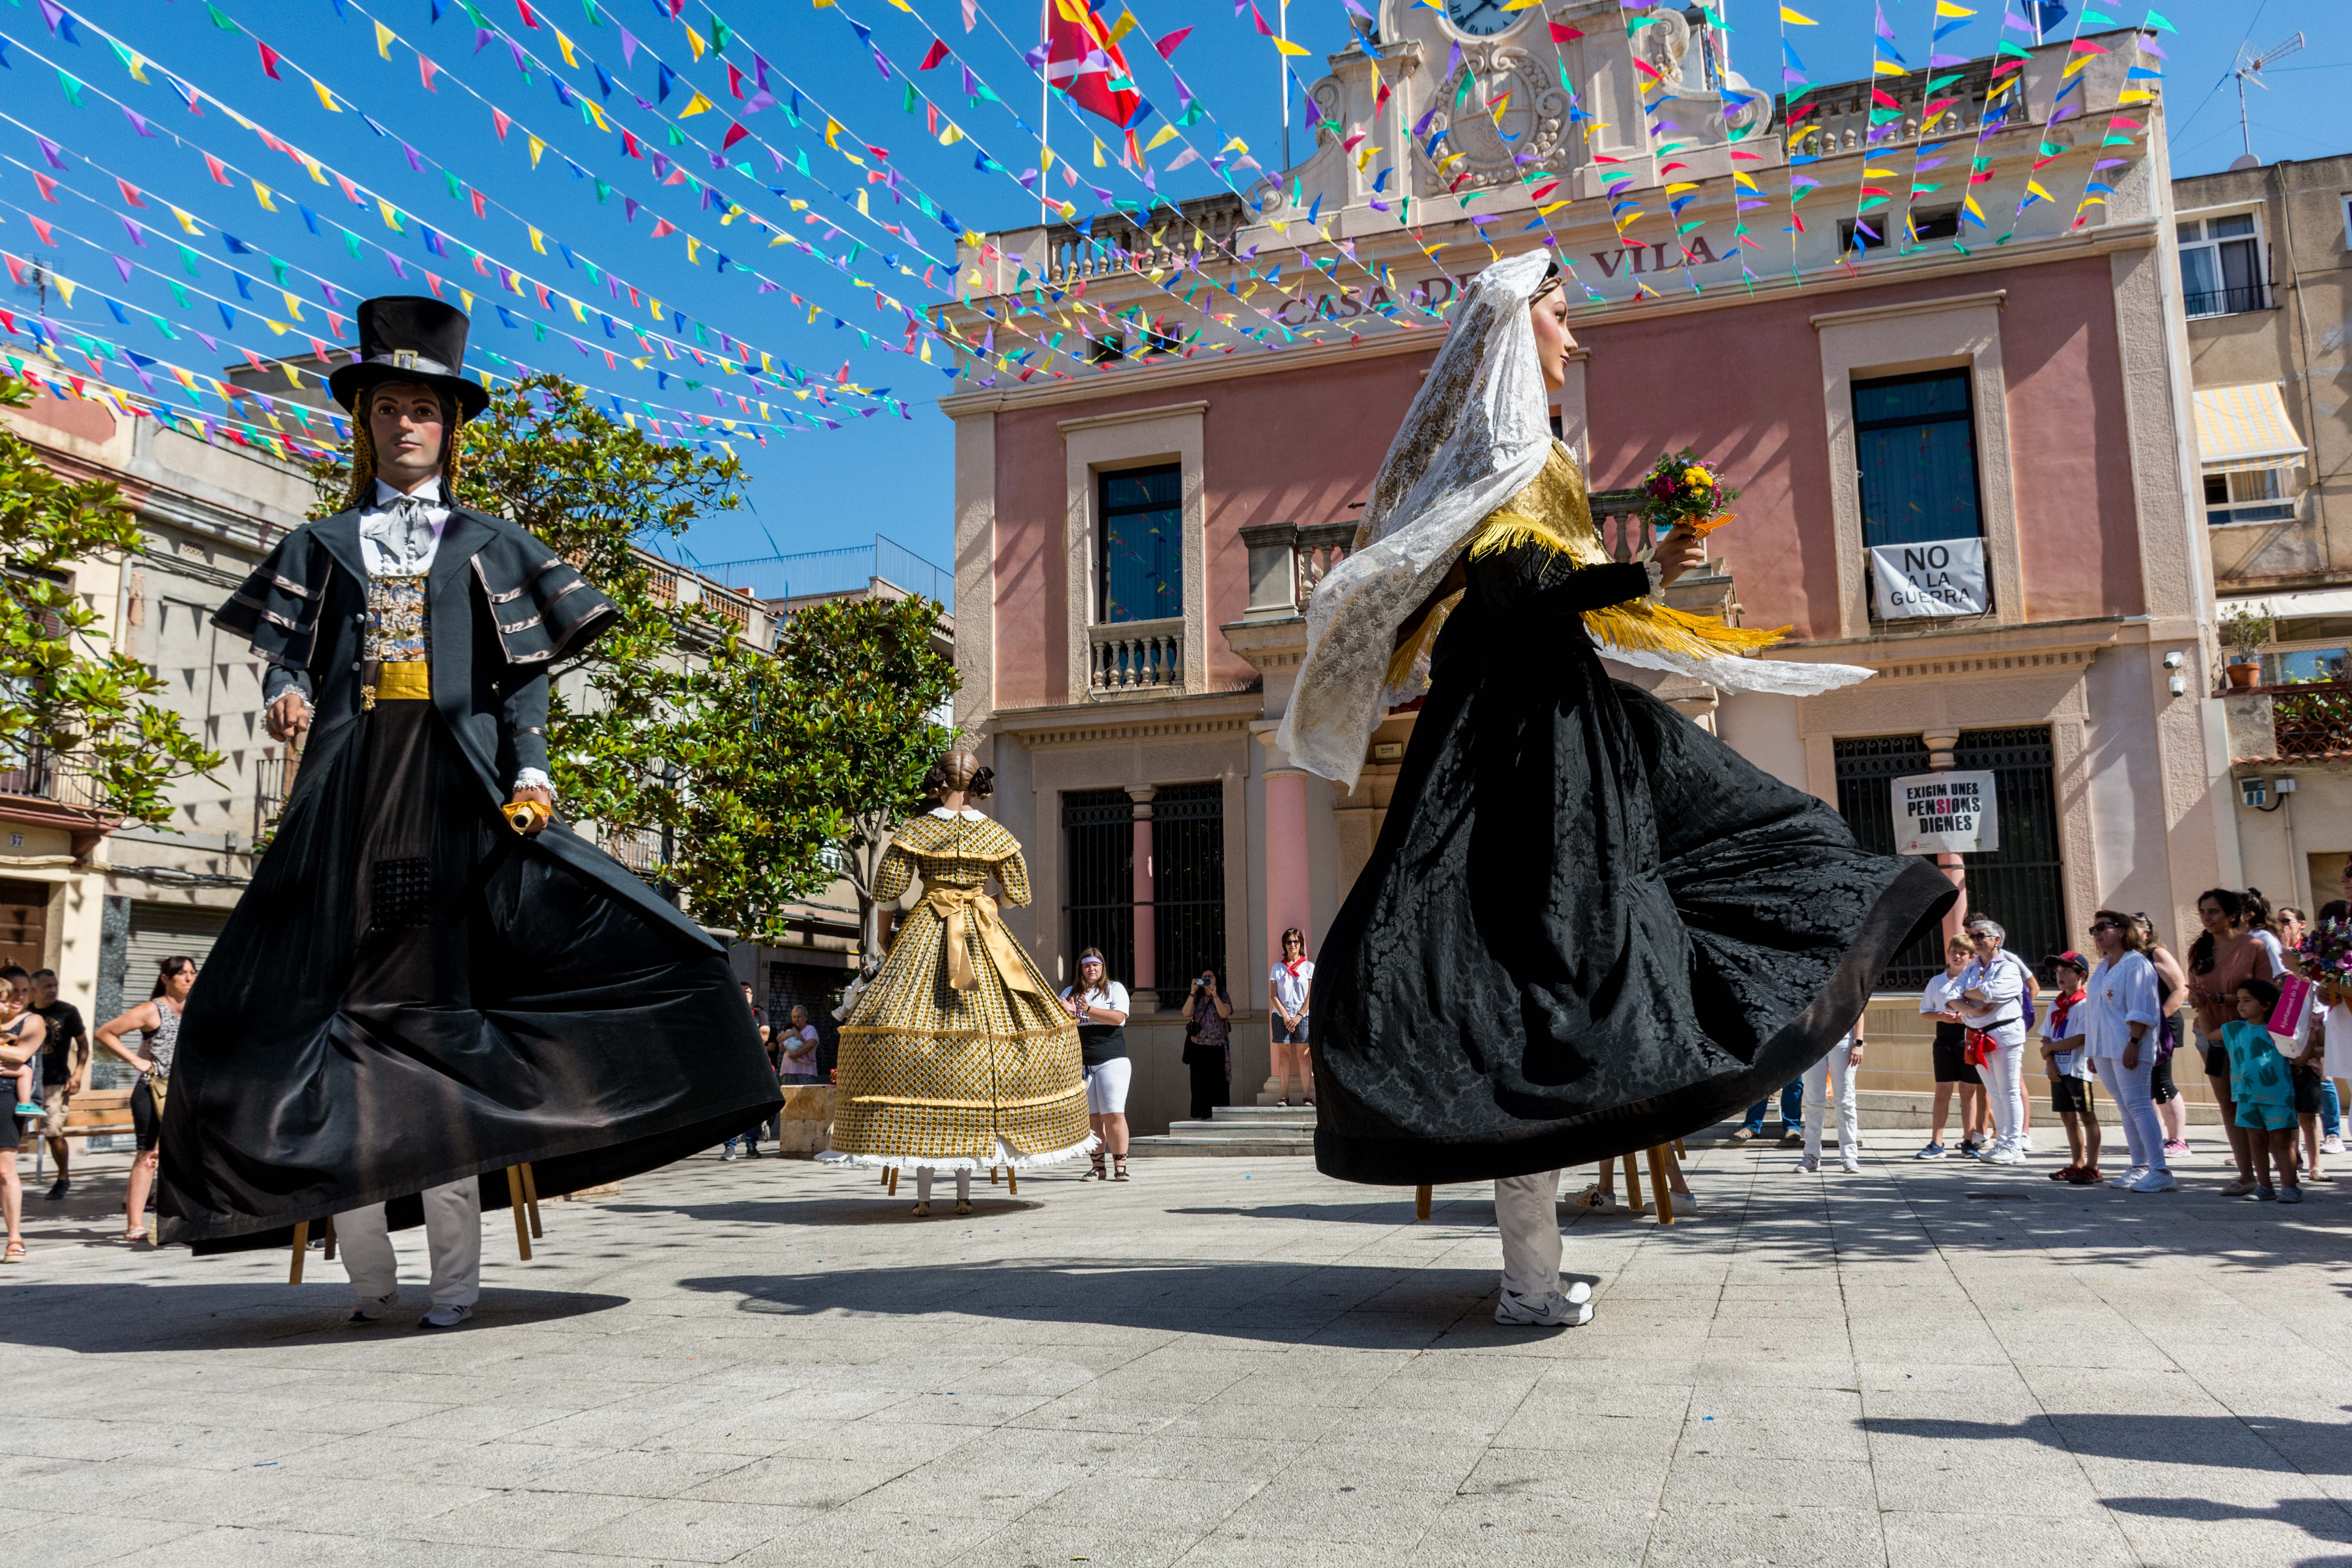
x: 1208, y: 1045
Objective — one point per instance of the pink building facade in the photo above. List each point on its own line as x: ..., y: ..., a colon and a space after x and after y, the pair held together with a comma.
x: 1135, y: 541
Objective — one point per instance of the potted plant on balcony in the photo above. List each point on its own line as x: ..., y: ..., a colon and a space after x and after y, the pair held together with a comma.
x: 2243, y: 633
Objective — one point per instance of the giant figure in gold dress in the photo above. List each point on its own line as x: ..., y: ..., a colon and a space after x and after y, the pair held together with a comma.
x: 957, y: 1056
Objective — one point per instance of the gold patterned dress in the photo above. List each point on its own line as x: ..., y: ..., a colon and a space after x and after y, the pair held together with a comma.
x: 957, y: 1055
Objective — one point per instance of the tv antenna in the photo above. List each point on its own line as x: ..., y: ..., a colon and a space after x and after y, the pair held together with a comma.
x: 2249, y: 68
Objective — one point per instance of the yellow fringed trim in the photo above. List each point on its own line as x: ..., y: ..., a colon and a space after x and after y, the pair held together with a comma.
x: 1642, y: 628
x: 1509, y: 530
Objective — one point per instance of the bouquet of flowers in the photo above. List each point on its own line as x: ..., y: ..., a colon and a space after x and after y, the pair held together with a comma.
x: 2326, y: 954
x: 1682, y: 488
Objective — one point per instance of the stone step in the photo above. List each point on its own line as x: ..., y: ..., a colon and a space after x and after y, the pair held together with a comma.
x: 1265, y: 1115
x: 1277, y: 1131
x: 1171, y: 1144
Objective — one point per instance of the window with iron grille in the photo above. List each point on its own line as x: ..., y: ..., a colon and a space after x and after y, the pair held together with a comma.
x: 1098, y: 878
x: 1188, y: 888
x: 2021, y: 884
x: 1139, y: 547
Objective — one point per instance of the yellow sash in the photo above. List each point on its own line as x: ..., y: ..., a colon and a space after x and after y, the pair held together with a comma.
x: 959, y: 906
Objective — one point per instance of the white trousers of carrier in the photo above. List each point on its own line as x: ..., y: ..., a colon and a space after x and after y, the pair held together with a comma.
x: 1526, y: 1211
x: 452, y: 1236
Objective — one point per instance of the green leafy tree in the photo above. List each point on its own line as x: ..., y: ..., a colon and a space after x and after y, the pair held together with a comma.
x: 597, y: 490
x: 822, y: 746
x: 61, y: 694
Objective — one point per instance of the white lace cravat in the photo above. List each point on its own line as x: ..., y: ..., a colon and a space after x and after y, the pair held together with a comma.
x: 401, y: 533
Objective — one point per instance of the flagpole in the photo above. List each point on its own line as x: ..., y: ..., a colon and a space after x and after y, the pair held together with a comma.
x: 1282, y: 76
x: 1044, y: 101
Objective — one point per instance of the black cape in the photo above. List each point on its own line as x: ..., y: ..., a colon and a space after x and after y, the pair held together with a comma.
x: 1589, y: 926
x: 542, y: 1004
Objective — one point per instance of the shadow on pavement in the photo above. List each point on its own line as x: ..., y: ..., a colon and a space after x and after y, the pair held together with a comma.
x: 1444, y: 1211
x: 837, y: 1209
x: 2230, y: 1442
x: 1287, y: 1303
x: 122, y: 1319
x: 2314, y: 1516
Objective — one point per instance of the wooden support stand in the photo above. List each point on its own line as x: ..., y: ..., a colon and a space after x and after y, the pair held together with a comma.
x: 530, y: 1197
x: 1632, y: 1186
x: 1421, y: 1202
x: 891, y: 1184
x: 1658, y: 1188
x: 521, y: 1219
x: 301, y: 1245
x: 1011, y: 1181
x: 329, y: 1222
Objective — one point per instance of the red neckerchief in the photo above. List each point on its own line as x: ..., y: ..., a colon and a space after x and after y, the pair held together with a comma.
x: 1292, y: 964
x: 2060, y: 1008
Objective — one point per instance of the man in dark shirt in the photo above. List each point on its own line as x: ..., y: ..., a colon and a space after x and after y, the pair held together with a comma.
x: 64, y: 1054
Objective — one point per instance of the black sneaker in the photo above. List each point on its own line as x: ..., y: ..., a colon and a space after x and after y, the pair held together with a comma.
x: 60, y: 1189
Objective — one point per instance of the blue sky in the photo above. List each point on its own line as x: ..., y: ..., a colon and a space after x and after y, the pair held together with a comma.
x: 815, y: 488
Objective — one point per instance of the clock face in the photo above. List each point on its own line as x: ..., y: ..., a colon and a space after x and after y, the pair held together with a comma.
x: 1479, y: 18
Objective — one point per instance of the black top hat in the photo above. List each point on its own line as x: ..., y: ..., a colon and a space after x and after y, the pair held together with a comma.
x: 409, y: 339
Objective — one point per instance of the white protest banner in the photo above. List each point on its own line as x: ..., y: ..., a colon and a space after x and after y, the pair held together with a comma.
x: 1943, y: 577
x: 1935, y: 812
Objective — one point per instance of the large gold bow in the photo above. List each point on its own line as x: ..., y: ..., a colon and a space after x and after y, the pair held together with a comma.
x: 959, y: 906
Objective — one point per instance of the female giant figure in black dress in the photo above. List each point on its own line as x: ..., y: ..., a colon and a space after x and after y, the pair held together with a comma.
x: 413, y: 996
x: 1589, y: 926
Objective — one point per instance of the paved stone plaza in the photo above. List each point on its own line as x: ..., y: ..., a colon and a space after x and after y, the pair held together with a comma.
x: 1224, y: 1362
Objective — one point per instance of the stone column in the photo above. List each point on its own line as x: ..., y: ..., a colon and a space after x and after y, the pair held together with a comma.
x: 1289, y: 895
x: 1147, y: 926
x: 1949, y: 862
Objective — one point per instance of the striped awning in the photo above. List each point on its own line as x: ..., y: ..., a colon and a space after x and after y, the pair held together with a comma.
x: 2240, y: 428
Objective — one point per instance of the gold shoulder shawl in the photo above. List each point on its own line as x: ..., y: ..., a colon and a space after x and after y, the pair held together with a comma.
x: 1554, y: 513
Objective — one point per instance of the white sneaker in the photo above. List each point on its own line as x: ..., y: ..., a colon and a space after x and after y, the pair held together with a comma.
x: 371, y: 1310
x: 445, y: 1317
x: 2154, y: 1181
x: 1593, y: 1197
x: 2128, y: 1177
x: 2004, y: 1157
x: 1810, y: 1165
x: 2331, y: 1144
x: 2025, y: 1144
x: 1684, y: 1202
x: 1852, y: 1166
x: 1552, y: 1309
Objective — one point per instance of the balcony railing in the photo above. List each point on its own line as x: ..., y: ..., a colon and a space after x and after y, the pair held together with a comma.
x: 1286, y: 560
x: 273, y: 778
x: 2227, y: 302
x: 641, y: 849
x: 44, y: 776
x: 2308, y: 720
x: 1136, y: 655
x: 826, y: 573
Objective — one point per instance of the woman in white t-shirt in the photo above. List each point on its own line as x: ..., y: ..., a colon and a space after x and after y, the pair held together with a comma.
x: 1100, y: 1005
x: 1287, y: 987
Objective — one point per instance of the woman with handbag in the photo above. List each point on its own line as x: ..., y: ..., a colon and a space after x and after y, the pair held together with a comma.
x: 157, y: 1022
x: 1208, y: 1045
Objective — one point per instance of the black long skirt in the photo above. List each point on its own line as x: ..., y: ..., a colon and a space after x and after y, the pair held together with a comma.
x: 411, y: 993
x: 1589, y: 926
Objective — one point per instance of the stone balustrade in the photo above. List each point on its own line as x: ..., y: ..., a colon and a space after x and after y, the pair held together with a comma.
x: 1136, y: 655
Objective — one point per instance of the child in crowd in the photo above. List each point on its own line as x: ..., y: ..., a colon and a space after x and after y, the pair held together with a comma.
x: 2069, y: 1070
x: 2262, y: 1088
x: 26, y: 1082
x: 2306, y: 1068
